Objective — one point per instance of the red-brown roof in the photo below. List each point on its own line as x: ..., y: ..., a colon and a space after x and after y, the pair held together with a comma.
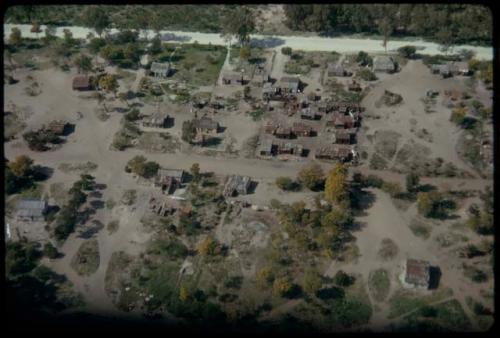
x: 81, y: 81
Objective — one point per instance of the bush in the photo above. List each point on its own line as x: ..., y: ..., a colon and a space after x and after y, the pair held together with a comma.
x: 392, y: 188
x: 366, y: 74
x: 286, y: 51
x: 286, y: 183
x: 133, y: 115
x: 364, y: 59
x: 50, y: 251
x: 407, y: 51
x: 343, y: 279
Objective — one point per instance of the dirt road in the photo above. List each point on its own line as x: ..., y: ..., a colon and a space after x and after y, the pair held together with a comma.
x: 314, y: 43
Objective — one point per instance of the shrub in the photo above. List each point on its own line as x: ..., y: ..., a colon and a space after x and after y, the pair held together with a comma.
x: 366, y: 74
x: 286, y: 51
x: 407, y: 51
x: 364, y: 59
x: 50, y: 251
x: 282, y: 286
x: 392, y: 188
x: 343, y: 279
x: 286, y: 183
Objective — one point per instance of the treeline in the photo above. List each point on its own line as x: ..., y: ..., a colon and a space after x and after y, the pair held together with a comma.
x: 457, y: 23
x: 203, y: 18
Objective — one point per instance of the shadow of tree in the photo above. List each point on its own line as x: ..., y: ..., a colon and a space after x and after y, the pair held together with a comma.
x: 91, y: 230
x: 268, y: 42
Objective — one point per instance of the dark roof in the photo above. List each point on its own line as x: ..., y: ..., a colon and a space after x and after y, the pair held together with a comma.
x: 417, y: 272
x: 81, y: 81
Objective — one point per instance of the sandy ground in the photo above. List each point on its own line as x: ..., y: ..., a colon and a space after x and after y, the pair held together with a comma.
x: 341, y: 45
x: 411, y: 83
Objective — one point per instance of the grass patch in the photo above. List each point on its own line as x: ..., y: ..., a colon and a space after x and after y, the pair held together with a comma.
x: 388, y: 249
x: 448, y: 316
x: 404, y: 301
x: 158, y: 142
x: 196, y: 64
x: 420, y: 229
x: 83, y: 167
x: 377, y: 162
x: 86, y: 260
x: 379, y: 284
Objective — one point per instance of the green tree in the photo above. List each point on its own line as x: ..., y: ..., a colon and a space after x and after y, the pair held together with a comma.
x: 208, y: 247
x: 50, y: 251
x: 150, y: 169
x: 109, y: 83
x: 282, y: 286
x: 96, y: 18
x: 311, y: 176
x: 15, y: 37
x: 412, y: 182
x: 286, y: 51
x: 195, y: 171
x: 407, y: 51
x: 239, y: 23
x: 83, y: 63
x: 312, y: 281
x: 265, y: 276
x: 336, y: 184
x: 285, y: 183
x: 22, y: 166
x: 156, y: 47
x: 245, y: 53
x: 68, y: 40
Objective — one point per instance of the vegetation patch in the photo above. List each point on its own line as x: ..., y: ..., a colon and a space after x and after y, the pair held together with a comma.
x: 86, y: 260
x: 420, y: 228
x: 379, y: 284
x: 404, y: 301
x: 388, y: 249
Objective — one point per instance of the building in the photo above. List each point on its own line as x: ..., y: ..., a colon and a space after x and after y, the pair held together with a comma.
x: 289, y: 84
x: 270, y: 127
x: 310, y: 113
x: 342, y: 154
x: 444, y: 70
x: 290, y: 148
x: 206, y: 125
x: 267, y: 148
x: 58, y: 127
x: 81, y: 82
x: 157, y: 120
x: 232, y: 78
x: 31, y: 210
x: 301, y: 129
x: 336, y: 69
x: 283, y: 132
x: 169, y: 179
x: 417, y: 273
x: 340, y: 121
x: 160, y: 70
x: 384, y: 64
x: 163, y: 207
x: 342, y: 137
x: 237, y: 185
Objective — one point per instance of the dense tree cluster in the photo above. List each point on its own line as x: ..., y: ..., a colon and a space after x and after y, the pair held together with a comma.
x: 21, y: 174
x: 458, y: 23
x: 139, y: 165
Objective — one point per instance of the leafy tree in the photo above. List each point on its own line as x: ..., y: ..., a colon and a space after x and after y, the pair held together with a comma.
x: 20, y: 257
x: 96, y: 18
x: 83, y: 63
x: 207, y: 247
x: 136, y: 164
x: 286, y: 50
x: 188, y: 131
x: 245, y: 53
x: 265, y: 276
x: 184, y: 294
x: 364, y: 59
x: 343, y: 279
x: 50, y: 34
x: 412, y: 182
x: 385, y: 28
x: 335, y: 184
x: 15, y: 37
x: 444, y: 37
x: 109, y: 83
x: 282, y: 286
x: 285, y: 183
x: 156, y: 47
x: 392, y: 188
x: 240, y: 23
x: 312, y: 281
x: 68, y: 40
x: 50, y: 251
x: 366, y: 74
x: 195, y: 171
x: 150, y: 169
x: 311, y: 176
x: 22, y: 166
x: 407, y: 51
x: 95, y: 45
x: 458, y: 115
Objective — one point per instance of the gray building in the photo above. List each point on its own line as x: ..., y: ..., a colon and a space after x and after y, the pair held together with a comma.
x: 237, y: 185
x: 161, y: 70
x: 31, y: 210
x: 384, y: 64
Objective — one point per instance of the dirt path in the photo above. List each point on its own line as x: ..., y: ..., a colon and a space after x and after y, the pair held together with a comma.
x: 311, y: 43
